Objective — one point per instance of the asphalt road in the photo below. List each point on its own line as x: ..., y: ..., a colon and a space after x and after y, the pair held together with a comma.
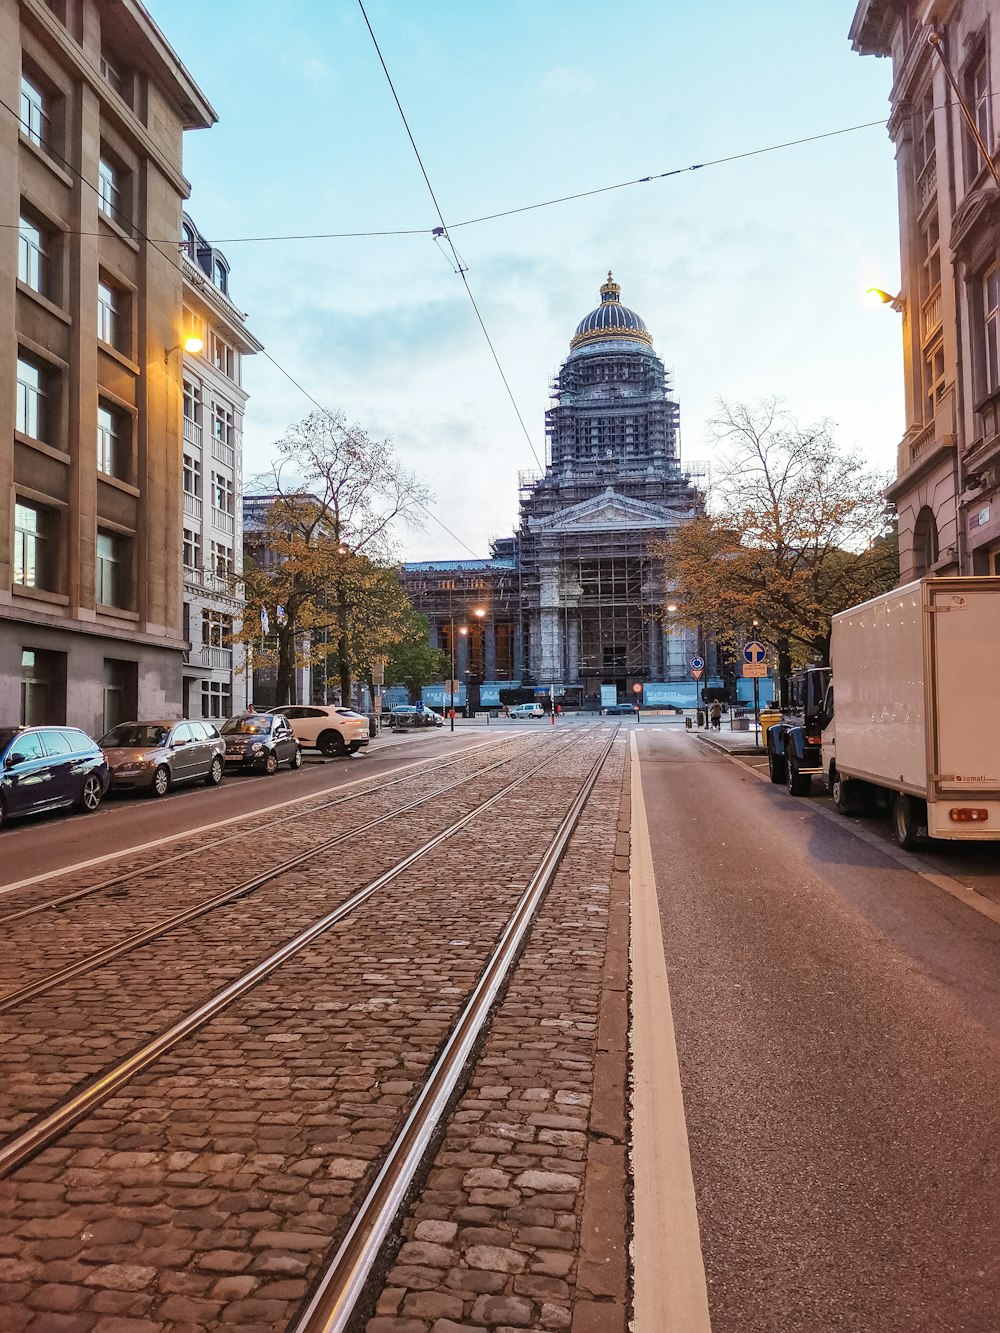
x: 838, y: 1031
x: 46, y: 843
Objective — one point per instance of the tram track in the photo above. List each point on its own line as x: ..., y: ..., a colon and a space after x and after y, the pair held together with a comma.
x: 101, y: 1027
x: 311, y: 807
x: 254, y: 1143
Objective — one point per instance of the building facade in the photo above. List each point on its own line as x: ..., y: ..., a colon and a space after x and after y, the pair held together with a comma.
x: 575, y: 600
x: 91, y: 625
x: 216, y: 682
x: 946, y: 76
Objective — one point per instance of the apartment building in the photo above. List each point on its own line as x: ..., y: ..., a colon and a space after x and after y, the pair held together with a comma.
x: 216, y: 681
x: 93, y: 106
x: 946, y: 78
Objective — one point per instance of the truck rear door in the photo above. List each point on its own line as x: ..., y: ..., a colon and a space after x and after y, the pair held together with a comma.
x: 965, y: 640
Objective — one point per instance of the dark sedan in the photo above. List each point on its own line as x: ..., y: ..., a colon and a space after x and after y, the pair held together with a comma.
x: 620, y: 710
x: 261, y: 741
x: 49, y: 768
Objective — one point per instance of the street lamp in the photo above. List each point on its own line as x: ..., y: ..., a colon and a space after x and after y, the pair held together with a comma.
x: 463, y: 629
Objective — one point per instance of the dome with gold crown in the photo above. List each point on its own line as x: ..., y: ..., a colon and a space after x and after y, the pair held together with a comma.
x: 611, y: 321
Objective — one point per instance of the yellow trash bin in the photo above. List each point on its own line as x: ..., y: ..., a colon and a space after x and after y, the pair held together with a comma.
x: 768, y: 717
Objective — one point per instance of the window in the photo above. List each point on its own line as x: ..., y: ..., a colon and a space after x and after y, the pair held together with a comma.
x: 991, y: 304
x: 216, y: 629
x: 112, y: 569
x: 977, y: 95
x: 35, y: 122
x: 56, y: 743
x: 222, y: 423
x: 192, y: 549
x: 109, y: 315
x: 43, y: 687
x: 192, y: 475
x: 925, y: 542
x: 192, y: 401
x: 223, y: 357
x: 31, y: 399
x: 188, y: 240
x: 113, y: 441
x: 220, y: 276
x: 109, y: 190
x: 222, y: 493
x: 111, y: 70
x: 216, y: 698
x: 34, y: 563
x: 933, y: 379
x: 32, y: 256
x: 222, y: 560
x: 194, y: 326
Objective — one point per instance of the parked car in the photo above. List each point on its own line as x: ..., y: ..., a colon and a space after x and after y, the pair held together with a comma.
x: 48, y: 768
x: 527, y: 710
x: 616, y: 710
x: 414, y: 715
x: 261, y: 740
x: 158, y: 755
x: 331, y: 729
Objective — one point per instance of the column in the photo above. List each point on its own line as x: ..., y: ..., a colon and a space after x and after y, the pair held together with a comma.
x: 489, y: 651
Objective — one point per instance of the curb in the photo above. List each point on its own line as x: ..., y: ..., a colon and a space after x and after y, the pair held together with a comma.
x: 751, y: 748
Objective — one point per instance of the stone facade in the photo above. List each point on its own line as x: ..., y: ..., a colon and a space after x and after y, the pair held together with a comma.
x: 947, y: 489
x: 90, y: 363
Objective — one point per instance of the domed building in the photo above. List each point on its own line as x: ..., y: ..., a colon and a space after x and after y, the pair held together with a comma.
x: 590, y: 593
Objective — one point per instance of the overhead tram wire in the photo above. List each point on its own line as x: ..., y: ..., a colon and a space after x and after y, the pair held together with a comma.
x: 460, y: 268
x: 173, y: 262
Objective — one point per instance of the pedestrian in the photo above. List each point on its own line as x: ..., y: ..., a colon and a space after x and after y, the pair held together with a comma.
x: 250, y: 708
x: 715, y: 713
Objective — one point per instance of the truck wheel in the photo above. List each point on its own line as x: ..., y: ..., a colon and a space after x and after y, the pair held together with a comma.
x: 777, y: 767
x: 909, y: 821
x: 842, y: 792
x: 798, y: 784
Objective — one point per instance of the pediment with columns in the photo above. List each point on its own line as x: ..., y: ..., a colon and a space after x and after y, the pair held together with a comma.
x: 608, y: 510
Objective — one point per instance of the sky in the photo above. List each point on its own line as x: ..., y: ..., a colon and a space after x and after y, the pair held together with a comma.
x: 750, y: 274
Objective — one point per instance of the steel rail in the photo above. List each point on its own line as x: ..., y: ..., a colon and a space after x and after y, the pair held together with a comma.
x: 15, y: 1151
x: 135, y: 941
x: 53, y: 903
x: 332, y: 1304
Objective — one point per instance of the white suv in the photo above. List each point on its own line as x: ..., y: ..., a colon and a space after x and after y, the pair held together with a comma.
x: 331, y: 730
x: 527, y: 710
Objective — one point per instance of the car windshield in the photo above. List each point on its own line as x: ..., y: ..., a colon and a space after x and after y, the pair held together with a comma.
x: 247, y: 726
x: 131, y: 736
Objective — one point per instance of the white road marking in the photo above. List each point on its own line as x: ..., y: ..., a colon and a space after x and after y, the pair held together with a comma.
x: 965, y: 895
x: 670, y: 1294
x: 222, y: 823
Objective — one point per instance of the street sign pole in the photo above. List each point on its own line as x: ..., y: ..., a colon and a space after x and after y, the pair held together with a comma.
x: 756, y: 711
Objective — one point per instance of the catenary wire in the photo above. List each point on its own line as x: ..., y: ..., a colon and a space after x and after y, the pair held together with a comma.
x: 460, y: 268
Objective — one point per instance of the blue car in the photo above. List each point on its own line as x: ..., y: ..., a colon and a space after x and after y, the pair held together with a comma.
x: 49, y: 768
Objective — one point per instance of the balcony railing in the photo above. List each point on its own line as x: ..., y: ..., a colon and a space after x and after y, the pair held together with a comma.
x: 223, y: 453
x: 216, y: 584
x: 192, y: 432
x: 922, y: 443
x: 221, y: 520
x: 932, y: 313
x: 192, y: 505
x: 927, y: 182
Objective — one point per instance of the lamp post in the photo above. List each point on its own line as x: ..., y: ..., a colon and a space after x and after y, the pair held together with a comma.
x: 451, y: 683
x: 480, y: 612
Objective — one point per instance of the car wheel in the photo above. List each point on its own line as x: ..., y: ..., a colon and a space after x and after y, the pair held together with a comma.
x: 777, y: 767
x: 296, y: 759
x: 91, y: 794
x: 798, y: 784
x: 907, y: 827
x: 214, y: 775
x: 3, y: 815
x: 331, y: 744
x: 161, y: 781
x: 271, y: 764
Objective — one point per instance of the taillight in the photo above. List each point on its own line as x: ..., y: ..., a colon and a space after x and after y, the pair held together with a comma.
x: 814, y: 740
x: 966, y: 814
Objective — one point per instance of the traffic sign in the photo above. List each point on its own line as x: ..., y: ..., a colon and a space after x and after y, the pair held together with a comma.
x: 636, y: 688
x: 697, y: 664
x: 697, y: 672
x: 754, y: 653
x: 758, y: 670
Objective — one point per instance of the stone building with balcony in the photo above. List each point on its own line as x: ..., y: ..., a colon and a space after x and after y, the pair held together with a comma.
x: 95, y: 106
x: 947, y: 488
x: 215, y: 678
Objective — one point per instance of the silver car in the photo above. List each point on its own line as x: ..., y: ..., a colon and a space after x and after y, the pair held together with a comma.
x: 156, y: 755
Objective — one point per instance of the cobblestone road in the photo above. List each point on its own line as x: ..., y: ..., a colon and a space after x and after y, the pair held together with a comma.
x: 207, y: 1192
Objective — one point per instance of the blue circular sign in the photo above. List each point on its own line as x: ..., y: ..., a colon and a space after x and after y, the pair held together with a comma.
x: 697, y: 663
x: 754, y: 653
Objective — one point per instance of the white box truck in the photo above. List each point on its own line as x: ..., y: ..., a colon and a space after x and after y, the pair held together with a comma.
x: 911, y: 716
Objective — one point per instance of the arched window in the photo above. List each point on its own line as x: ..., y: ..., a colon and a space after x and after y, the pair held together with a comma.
x: 188, y: 240
x: 220, y: 275
x: 925, y: 542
